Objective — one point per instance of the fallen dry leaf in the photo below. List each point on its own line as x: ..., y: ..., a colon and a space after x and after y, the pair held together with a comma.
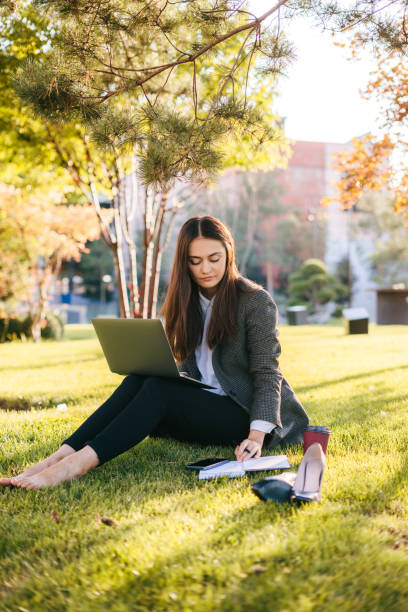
x: 106, y: 520
x: 258, y: 569
x: 55, y: 517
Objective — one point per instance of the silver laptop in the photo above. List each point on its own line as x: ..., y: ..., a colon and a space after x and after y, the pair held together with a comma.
x: 138, y: 346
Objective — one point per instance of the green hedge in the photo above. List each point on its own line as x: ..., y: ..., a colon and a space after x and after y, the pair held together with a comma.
x: 18, y: 327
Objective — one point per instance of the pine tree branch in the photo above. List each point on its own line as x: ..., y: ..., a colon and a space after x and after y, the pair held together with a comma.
x: 163, y: 86
x: 129, y: 59
x: 182, y: 53
x: 153, y: 71
x: 228, y: 76
x: 147, y: 98
x: 364, y: 17
x: 93, y: 21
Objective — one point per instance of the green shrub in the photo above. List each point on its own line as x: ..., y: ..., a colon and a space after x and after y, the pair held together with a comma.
x: 338, y: 311
x: 12, y: 327
x: 18, y: 327
x: 54, y: 327
x: 326, y: 294
x: 312, y: 285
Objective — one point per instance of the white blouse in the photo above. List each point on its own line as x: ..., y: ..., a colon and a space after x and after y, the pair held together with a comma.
x: 203, y: 355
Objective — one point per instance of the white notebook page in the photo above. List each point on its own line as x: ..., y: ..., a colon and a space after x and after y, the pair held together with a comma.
x: 233, y: 469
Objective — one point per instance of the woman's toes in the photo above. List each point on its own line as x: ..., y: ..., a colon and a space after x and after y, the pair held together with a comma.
x: 23, y: 482
x: 35, y: 482
x: 5, y: 481
x: 17, y: 480
x: 30, y: 483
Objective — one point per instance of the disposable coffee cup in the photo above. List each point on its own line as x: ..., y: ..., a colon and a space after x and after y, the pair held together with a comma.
x: 316, y: 433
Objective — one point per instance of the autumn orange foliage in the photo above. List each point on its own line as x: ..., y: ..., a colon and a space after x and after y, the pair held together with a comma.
x: 368, y: 166
x: 48, y: 232
x: 364, y: 168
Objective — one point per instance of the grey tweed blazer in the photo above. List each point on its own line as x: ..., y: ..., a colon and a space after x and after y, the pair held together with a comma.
x: 248, y: 370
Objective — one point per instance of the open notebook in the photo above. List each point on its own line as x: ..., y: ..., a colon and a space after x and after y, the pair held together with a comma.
x: 232, y: 469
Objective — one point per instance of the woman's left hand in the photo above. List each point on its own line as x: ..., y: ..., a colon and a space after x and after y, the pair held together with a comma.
x: 250, y: 447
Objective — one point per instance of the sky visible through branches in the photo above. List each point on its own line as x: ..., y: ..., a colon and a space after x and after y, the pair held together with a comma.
x: 331, y: 108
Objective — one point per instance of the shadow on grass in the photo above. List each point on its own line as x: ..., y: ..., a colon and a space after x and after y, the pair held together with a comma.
x: 363, y: 582
x: 72, y: 359
x: 380, y: 499
x: 367, y: 411
x: 299, y: 570
x: 335, y: 381
x: 362, y: 578
x: 154, y: 576
x: 363, y: 410
x: 15, y: 403
x: 305, y: 577
x: 21, y: 404
x: 96, y: 394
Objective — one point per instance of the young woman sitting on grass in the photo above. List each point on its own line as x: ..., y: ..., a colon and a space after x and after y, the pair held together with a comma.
x: 222, y: 330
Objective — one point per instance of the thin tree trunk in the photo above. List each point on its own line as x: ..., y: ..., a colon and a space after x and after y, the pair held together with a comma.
x: 134, y: 289
x: 131, y: 202
x: 38, y: 314
x: 147, y: 277
x: 121, y: 279
x: 152, y: 213
x: 155, y: 290
x: 156, y: 253
x: 159, y: 261
x: 146, y: 239
x: 127, y: 206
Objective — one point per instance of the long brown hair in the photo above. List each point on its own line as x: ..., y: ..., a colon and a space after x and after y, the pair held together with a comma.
x: 181, y: 309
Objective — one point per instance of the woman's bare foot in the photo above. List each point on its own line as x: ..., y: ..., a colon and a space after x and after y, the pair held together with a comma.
x: 73, y: 466
x: 64, y: 451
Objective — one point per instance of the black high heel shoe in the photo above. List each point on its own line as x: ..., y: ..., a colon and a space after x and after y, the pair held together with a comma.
x: 305, y: 486
x: 279, y: 488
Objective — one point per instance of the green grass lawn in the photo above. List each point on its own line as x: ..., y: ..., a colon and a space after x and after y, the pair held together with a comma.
x: 175, y: 543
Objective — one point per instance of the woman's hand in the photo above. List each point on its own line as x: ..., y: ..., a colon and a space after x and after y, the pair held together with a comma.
x: 251, y: 447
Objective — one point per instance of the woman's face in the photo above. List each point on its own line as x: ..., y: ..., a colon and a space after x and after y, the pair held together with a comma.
x: 207, y: 260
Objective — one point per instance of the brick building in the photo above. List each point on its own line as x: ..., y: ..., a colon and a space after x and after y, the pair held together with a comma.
x: 307, y: 179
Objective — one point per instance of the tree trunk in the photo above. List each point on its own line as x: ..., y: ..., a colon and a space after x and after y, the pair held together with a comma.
x: 155, y: 290
x: 127, y: 208
x: 134, y: 289
x: 157, y: 255
x: 121, y: 280
x: 38, y: 311
x: 147, y: 277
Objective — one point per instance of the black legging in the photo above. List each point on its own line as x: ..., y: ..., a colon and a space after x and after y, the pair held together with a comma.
x: 143, y: 406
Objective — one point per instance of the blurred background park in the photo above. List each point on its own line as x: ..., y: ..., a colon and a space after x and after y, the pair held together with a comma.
x: 291, y: 133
